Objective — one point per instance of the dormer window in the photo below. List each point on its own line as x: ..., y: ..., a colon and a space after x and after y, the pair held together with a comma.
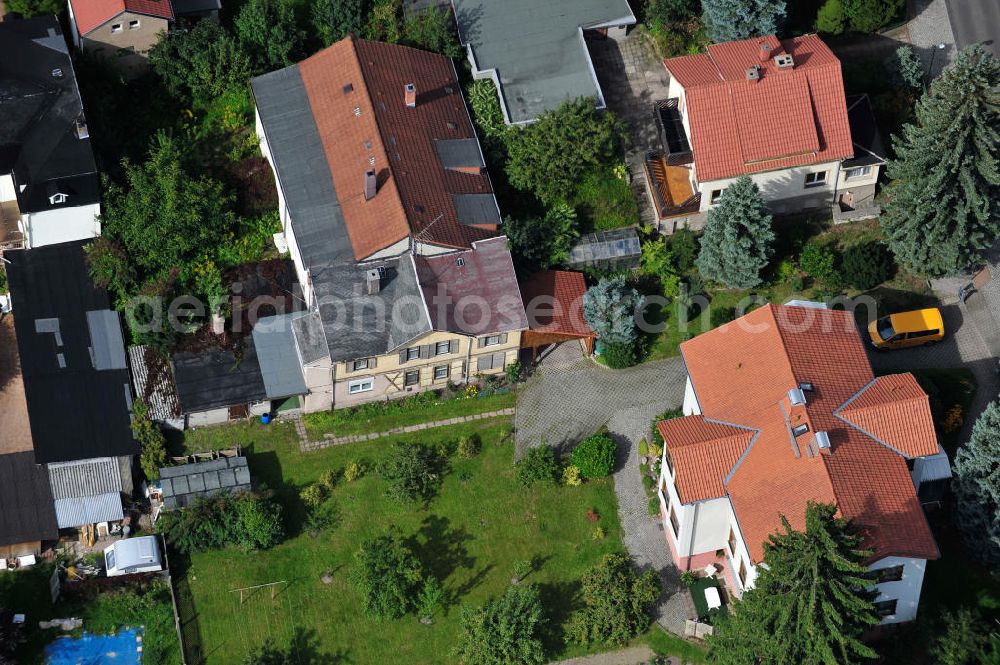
x: 57, y: 198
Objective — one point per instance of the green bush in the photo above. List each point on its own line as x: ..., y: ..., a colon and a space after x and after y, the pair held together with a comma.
x: 329, y: 478
x: 248, y: 521
x: 571, y: 476
x: 595, y: 456
x: 410, y: 470
x: 830, y: 18
x: 353, y: 471
x: 867, y: 265
x: 514, y: 372
x: 617, y: 602
x: 819, y: 259
x: 538, y: 465
x: 152, y: 442
x: 605, y: 201
x: 388, y: 576
x: 654, y: 506
x: 683, y: 244
x: 313, y: 495
x: 468, y: 446
x: 619, y: 356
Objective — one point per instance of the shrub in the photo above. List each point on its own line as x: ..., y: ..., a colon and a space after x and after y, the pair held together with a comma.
x: 152, y: 443
x: 787, y: 269
x: 654, y: 506
x: 313, y: 495
x: 953, y: 420
x: 429, y: 600
x: 599, y: 534
x: 830, y: 18
x: 249, y: 521
x: 514, y: 372
x: 468, y: 446
x: 595, y: 456
x: 689, y: 577
x: 328, y: 479
x: 353, y: 471
x: 819, y: 260
x: 867, y: 265
x: 505, y: 630
x: 260, y: 524
x: 619, y: 356
x: 683, y: 245
x: 571, y: 476
x: 388, y: 576
x: 321, y: 518
x: 617, y: 602
x: 410, y: 470
x: 537, y: 465
x: 648, y: 482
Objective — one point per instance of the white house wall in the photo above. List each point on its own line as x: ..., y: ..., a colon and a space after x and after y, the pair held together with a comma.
x: 906, y: 591
x: 7, y: 191
x: 62, y: 225
x: 782, y: 185
x: 691, y: 406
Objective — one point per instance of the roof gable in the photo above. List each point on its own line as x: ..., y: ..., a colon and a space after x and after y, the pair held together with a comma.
x: 707, y: 450
x: 894, y: 410
x: 92, y: 14
x: 553, y: 301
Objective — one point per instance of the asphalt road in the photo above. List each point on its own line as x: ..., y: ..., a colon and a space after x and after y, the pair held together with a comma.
x: 976, y: 21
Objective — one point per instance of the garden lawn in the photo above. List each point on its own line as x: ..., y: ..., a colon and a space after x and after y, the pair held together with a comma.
x: 382, y: 416
x: 469, y: 536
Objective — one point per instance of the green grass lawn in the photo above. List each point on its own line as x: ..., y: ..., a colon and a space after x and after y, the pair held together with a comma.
x: 469, y: 535
x: 382, y: 416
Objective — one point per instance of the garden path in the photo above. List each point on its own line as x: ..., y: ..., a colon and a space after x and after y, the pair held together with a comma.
x: 633, y: 656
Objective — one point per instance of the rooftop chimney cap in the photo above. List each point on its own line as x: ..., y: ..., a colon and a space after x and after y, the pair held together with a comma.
x: 784, y: 61
x: 753, y: 73
x: 765, y: 51
x: 373, y: 281
x: 371, y: 184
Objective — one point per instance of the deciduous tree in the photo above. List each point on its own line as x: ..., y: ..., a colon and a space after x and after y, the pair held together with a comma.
x: 617, y: 602
x: 267, y: 30
x: 432, y: 30
x: 809, y: 603
x: 504, y: 631
x: 31, y: 8
x: 728, y: 20
x: 550, y: 156
x: 388, y: 576
x: 977, y: 490
x: 870, y: 15
x: 410, y: 470
x: 738, y: 240
x: 200, y: 64
x: 336, y: 19
x: 541, y: 242
x: 944, y: 202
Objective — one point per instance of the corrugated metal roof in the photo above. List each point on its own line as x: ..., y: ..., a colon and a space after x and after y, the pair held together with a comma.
x: 85, y: 478
x: 162, y: 399
x: 88, y: 510
x: 280, y: 365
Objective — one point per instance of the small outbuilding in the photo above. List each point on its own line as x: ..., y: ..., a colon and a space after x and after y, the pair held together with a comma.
x: 553, y: 302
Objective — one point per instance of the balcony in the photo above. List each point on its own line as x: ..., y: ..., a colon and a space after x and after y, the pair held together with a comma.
x: 670, y: 187
x: 671, y: 130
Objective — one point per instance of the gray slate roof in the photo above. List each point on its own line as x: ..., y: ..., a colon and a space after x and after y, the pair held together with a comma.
x: 183, y: 484
x: 536, y: 48
x: 310, y: 339
x: 279, y: 361
x: 86, y: 491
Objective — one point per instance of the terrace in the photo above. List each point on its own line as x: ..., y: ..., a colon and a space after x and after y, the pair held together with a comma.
x: 670, y: 128
x: 670, y: 186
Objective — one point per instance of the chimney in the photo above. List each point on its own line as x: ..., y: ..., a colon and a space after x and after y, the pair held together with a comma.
x: 410, y: 95
x: 753, y: 73
x: 784, y: 61
x: 765, y: 52
x: 371, y: 184
x: 373, y: 282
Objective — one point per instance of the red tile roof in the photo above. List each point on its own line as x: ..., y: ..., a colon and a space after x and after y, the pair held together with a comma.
x: 91, y: 14
x: 741, y: 373
x: 554, y: 303
x: 706, y: 450
x: 789, y: 117
x: 356, y: 91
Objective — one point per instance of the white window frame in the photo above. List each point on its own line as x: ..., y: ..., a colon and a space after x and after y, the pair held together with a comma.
x: 361, y: 386
x: 359, y: 364
x: 491, y: 340
x: 817, y: 179
x: 413, y: 353
x: 438, y: 375
x: 438, y: 347
x: 133, y: 24
x: 116, y: 27
x: 715, y: 197
x: 857, y: 172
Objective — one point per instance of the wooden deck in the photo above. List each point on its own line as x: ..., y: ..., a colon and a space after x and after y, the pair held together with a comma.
x: 670, y: 186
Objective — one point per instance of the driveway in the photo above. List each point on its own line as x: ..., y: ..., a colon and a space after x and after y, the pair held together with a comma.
x: 975, y: 21
x: 570, y: 397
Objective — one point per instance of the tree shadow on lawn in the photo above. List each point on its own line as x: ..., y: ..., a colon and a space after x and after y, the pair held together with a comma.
x: 559, y: 601
x: 440, y: 547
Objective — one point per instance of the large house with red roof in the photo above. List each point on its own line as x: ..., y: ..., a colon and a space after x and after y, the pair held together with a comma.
x: 773, y: 110
x: 123, y: 31
x: 782, y: 408
x: 390, y: 219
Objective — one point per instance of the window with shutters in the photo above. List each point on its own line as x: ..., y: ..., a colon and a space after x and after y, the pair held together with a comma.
x: 484, y: 363
x: 499, y: 360
x: 441, y: 372
x: 413, y: 353
x: 442, y: 348
x: 360, y: 364
x: 412, y: 378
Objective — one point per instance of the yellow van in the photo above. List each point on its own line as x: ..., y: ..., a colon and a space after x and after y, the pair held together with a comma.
x: 906, y: 329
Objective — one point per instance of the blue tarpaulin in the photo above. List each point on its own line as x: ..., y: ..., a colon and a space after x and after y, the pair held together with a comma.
x: 124, y: 648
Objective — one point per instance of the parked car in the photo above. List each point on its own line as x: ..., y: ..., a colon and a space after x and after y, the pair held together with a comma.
x: 133, y: 555
x: 906, y: 329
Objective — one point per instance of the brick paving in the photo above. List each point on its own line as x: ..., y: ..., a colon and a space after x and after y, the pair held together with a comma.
x: 632, y: 78
x: 305, y: 445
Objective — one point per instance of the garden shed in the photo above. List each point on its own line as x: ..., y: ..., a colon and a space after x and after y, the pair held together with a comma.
x: 617, y: 248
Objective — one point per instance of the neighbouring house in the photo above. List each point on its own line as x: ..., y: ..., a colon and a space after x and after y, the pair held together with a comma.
x: 123, y: 31
x: 216, y: 385
x: 782, y: 408
x: 535, y: 52
x: 75, y: 381
x: 392, y: 224
x: 49, y: 186
x: 553, y: 303
x: 773, y: 110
